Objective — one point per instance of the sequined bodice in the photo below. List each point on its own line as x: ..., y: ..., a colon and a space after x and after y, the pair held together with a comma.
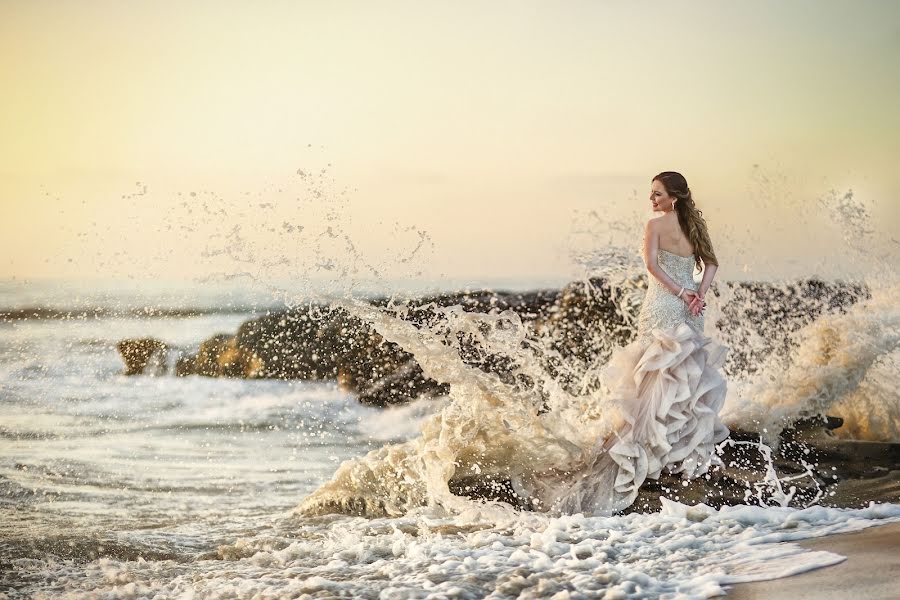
x: 661, y: 308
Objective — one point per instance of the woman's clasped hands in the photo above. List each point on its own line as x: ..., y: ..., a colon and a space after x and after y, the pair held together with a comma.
x: 696, y: 303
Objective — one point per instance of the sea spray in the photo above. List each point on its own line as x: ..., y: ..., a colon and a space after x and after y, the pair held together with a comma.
x: 481, y: 443
x: 829, y: 360
x: 772, y: 490
x: 488, y: 431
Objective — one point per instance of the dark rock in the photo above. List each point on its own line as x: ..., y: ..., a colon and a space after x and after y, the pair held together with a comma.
x: 324, y: 343
x: 767, y: 314
x: 829, y: 472
x: 222, y: 356
x: 143, y: 355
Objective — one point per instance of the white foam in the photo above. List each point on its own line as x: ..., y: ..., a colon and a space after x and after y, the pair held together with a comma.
x: 681, y: 552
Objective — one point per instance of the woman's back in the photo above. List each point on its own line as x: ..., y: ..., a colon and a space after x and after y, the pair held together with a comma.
x: 671, y: 237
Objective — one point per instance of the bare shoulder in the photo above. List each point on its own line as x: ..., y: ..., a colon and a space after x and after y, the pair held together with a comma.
x: 667, y: 224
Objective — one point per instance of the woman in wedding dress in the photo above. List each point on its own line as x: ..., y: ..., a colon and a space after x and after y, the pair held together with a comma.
x: 668, y: 381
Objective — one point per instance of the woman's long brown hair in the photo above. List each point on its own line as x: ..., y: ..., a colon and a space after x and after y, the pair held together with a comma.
x: 690, y: 218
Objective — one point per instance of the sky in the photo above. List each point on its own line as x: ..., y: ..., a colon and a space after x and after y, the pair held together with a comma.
x: 439, y: 140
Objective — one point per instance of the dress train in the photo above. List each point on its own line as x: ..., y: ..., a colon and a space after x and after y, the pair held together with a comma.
x: 670, y: 388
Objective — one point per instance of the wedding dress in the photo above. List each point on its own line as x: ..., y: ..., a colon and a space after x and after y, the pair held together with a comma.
x: 669, y: 385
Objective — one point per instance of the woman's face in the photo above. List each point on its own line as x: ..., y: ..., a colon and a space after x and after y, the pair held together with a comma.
x: 660, y: 200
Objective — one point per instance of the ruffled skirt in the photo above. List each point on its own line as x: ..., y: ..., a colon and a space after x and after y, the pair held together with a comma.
x: 670, y: 388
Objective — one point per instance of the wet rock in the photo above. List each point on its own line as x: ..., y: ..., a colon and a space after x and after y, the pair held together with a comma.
x: 759, y: 316
x: 489, y: 488
x: 185, y: 365
x: 813, y: 466
x: 883, y: 485
x: 825, y: 471
x: 812, y: 429
x: 586, y: 308
x: 323, y: 343
x: 143, y: 356
x: 397, y: 383
x: 222, y: 356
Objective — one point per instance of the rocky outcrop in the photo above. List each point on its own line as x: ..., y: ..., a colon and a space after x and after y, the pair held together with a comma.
x: 222, y: 356
x: 759, y: 316
x: 814, y: 466
x: 579, y: 324
x: 143, y: 356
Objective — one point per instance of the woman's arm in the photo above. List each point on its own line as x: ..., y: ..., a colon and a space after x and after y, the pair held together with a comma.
x: 709, y: 271
x: 651, y: 246
x: 699, y: 303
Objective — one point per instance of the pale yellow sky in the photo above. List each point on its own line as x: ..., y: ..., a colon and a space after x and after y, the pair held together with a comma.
x: 482, y: 133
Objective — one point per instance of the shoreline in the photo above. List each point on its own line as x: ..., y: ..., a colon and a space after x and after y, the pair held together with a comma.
x: 871, y: 569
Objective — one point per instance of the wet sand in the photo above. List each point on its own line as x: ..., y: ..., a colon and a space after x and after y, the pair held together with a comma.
x: 871, y: 570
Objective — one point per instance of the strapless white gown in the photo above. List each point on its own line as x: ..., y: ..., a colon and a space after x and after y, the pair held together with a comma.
x: 669, y: 385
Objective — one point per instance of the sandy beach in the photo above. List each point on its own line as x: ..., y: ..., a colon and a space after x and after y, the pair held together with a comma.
x: 871, y: 570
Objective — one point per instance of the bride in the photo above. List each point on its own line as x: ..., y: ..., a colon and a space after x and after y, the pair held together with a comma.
x: 667, y: 381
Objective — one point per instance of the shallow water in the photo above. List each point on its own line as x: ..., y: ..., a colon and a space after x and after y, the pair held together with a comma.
x: 96, y: 463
